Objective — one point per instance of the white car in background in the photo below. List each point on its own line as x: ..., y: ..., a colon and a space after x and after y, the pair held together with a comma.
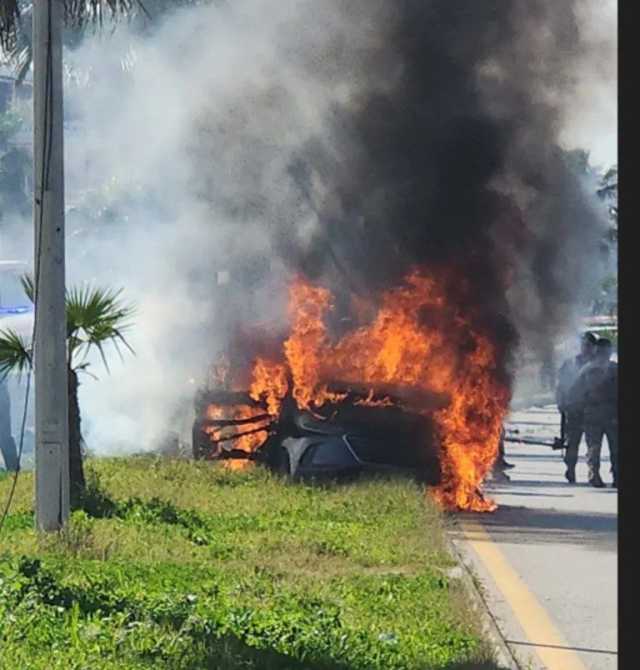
x: 16, y: 310
x: 16, y: 313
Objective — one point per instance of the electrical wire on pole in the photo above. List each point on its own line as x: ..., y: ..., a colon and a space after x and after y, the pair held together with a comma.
x: 49, y: 342
x: 45, y: 167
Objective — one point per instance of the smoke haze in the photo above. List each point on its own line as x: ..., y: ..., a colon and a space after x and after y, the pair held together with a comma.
x: 349, y: 141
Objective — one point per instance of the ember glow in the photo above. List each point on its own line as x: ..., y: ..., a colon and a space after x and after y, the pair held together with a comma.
x: 270, y: 383
x: 248, y: 439
x: 413, y: 345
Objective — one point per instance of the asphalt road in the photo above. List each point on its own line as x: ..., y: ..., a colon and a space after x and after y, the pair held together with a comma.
x: 547, y: 559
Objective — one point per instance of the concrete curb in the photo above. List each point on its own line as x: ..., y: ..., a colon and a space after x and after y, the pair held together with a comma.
x: 504, y: 655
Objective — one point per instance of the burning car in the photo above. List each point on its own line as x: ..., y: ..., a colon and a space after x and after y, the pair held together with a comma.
x: 411, y: 384
x: 340, y: 440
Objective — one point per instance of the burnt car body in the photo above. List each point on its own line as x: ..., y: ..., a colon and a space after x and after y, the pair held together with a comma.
x: 340, y: 441
x: 348, y: 446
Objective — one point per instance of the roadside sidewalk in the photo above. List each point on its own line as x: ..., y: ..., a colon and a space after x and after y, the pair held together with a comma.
x: 546, y: 560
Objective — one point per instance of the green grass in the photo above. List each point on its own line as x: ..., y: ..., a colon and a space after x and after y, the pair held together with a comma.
x: 176, y: 564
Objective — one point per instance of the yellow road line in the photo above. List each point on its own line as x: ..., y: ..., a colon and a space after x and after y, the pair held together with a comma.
x: 531, y: 615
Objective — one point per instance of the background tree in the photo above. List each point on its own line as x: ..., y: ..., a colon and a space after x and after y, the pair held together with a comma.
x: 606, y: 188
x: 95, y: 317
x: 608, y: 192
x: 15, y: 24
x: 80, y: 16
x: 15, y: 166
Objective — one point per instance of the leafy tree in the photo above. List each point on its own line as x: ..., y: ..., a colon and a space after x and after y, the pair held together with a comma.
x: 608, y: 192
x: 95, y: 317
x: 15, y: 165
x: 15, y: 23
x: 80, y: 16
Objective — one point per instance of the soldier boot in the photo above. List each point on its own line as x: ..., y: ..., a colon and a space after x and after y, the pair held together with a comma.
x: 594, y: 433
x: 596, y: 481
x: 574, y: 428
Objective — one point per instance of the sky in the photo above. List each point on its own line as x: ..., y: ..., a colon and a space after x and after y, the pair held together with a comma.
x: 592, y: 118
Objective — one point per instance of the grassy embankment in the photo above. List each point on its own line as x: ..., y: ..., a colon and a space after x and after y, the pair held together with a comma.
x: 184, y: 565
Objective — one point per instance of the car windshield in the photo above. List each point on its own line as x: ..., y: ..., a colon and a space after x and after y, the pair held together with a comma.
x: 334, y: 454
x: 12, y: 293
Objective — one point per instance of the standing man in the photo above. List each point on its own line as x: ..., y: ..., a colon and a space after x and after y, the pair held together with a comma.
x: 7, y: 443
x: 597, y: 392
x: 568, y: 404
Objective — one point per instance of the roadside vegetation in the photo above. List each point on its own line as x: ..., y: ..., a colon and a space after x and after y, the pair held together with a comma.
x: 205, y: 567
x: 95, y: 317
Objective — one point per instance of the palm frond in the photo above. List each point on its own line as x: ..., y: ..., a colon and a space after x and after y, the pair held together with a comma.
x: 15, y: 40
x: 15, y: 353
x: 15, y: 21
x: 28, y: 286
x: 84, y: 367
x: 609, y: 182
x: 9, y: 17
x: 95, y: 317
x: 79, y: 13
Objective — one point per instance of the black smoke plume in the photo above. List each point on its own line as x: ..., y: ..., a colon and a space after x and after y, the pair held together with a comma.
x: 447, y: 156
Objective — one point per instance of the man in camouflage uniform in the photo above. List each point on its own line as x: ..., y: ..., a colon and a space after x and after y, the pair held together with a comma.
x: 573, y: 415
x: 596, y: 391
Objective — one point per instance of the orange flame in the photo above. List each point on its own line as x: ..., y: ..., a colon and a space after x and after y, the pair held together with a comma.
x: 306, y: 348
x: 228, y: 434
x: 372, y: 401
x: 412, y: 342
x: 470, y: 432
x: 236, y: 464
x: 269, y: 384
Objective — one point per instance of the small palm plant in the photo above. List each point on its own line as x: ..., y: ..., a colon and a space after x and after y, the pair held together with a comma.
x: 95, y: 317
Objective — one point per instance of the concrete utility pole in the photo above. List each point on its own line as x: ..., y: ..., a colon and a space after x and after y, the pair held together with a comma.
x: 51, y: 410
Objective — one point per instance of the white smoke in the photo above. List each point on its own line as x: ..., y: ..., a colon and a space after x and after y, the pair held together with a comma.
x: 189, y: 133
